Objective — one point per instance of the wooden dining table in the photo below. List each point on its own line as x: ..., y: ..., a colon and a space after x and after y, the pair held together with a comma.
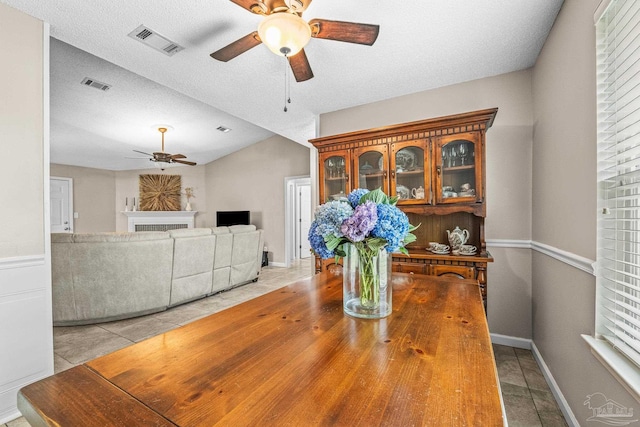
x: 292, y: 357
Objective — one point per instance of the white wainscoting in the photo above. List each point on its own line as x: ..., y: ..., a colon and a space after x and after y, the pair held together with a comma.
x: 26, y: 336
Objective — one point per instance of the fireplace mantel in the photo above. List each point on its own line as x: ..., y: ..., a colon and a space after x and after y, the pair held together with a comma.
x: 162, y: 220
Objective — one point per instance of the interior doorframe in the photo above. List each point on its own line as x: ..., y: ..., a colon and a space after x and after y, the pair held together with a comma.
x: 290, y: 184
x: 72, y: 222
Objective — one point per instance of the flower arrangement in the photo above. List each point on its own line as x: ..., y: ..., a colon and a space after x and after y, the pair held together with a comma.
x: 188, y: 192
x: 368, y: 219
x: 371, y: 222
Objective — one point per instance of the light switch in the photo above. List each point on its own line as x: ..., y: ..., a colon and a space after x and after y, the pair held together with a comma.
x: 75, y: 215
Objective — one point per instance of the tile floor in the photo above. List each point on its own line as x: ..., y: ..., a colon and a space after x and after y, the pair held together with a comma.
x: 528, y: 400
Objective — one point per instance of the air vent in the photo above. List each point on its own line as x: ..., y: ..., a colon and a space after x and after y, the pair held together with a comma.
x: 154, y: 40
x: 95, y: 84
x: 223, y: 129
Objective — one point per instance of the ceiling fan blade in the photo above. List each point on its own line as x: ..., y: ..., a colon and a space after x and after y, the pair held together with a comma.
x: 350, y: 32
x: 142, y: 152
x: 178, y: 156
x: 254, y: 6
x: 237, y: 47
x: 184, y: 162
x: 300, y: 66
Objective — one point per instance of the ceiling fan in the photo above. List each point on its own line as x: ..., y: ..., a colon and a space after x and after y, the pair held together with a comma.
x: 161, y: 156
x: 285, y: 33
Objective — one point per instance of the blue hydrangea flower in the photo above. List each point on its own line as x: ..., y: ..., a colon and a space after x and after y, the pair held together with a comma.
x: 392, y: 225
x: 358, y: 226
x: 317, y: 243
x: 355, y: 195
x: 329, y: 217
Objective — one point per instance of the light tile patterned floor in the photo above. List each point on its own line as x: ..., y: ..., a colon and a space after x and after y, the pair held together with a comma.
x: 528, y: 400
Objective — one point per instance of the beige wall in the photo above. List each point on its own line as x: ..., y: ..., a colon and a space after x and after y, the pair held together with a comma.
x: 508, y: 175
x: 253, y: 179
x: 26, y: 332
x: 21, y: 103
x: 564, y: 207
x: 94, y: 191
x: 127, y: 186
x: 99, y: 194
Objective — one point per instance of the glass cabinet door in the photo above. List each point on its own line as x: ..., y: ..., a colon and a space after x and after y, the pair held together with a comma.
x: 334, y: 175
x: 370, y: 165
x: 410, y: 172
x: 458, y: 170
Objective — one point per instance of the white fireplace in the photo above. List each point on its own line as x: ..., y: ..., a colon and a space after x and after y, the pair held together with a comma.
x: 159, y: 220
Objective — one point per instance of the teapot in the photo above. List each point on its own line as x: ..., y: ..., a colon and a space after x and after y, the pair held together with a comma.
x: 457, y: 237
x: 417, y: 193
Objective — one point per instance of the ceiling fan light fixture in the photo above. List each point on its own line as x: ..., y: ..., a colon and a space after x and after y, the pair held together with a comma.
x: 284, y: 33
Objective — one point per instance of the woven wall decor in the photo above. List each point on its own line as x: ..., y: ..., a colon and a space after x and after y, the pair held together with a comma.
x: 160, y: 192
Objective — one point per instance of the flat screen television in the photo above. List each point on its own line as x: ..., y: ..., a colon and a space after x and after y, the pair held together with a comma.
x: 226, y: 218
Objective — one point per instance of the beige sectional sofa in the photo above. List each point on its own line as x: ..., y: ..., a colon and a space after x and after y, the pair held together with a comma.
x: 101, y: 277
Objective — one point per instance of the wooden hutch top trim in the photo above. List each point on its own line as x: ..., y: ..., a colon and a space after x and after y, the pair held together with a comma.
x: 465, y: 122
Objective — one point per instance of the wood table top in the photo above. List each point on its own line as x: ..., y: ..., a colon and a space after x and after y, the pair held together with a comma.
x: 293, y: 358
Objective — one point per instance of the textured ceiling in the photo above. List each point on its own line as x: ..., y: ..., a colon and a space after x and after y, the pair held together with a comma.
x: 431, y: 44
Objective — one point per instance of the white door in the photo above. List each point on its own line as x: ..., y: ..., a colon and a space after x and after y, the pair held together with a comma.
x: 304, y: 220
x: 61, y: 205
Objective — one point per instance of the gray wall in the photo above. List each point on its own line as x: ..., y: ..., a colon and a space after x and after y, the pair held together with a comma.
x: 564, y: 207
x: 253, y: 179
x: 508, y: 222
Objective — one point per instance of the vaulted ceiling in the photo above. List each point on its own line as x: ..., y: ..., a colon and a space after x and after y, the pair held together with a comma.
x: 421, y: 45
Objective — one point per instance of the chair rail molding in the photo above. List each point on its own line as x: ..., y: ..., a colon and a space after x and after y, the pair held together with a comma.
x: 581, y: 263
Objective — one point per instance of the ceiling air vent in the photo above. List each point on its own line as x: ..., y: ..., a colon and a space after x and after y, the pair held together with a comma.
x: 95, y: 84
x: 154, y: 40
x: 223, y: 129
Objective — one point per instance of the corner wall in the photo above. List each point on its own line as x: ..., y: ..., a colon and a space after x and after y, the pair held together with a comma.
x: 253, y: 179
x: 564, y: 208
x: 508, y: 222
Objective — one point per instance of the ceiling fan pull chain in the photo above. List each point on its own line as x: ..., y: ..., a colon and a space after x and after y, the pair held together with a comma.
x: 287, y: 85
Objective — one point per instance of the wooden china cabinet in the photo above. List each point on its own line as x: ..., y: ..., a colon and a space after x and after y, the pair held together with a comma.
x: 436, y: 167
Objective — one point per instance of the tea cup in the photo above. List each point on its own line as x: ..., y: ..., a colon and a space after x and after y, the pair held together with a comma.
x: 468, y: 249
x: 432, y: 245
x: 440, y: 247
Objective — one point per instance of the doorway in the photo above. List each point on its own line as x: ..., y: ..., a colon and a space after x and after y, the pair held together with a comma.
x: 61, y: 203
x: 297, y: 218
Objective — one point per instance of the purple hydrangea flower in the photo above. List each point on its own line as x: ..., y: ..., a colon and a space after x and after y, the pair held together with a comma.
x: 358, y: 226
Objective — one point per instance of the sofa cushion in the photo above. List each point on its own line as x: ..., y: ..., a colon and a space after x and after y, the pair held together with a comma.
x: 193, y: 255
x: 242, y: 228
x: 120, y: 237
x: 61, y: 238
x: 244, y: 257
x: 220, y: 230
x: 189, y: 232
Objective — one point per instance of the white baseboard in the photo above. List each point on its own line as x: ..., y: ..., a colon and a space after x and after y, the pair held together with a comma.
x: 277, y: 264
x: 10, y: 417
x: 528, y: 344
x: 516, y: 342
x: 569, y: 417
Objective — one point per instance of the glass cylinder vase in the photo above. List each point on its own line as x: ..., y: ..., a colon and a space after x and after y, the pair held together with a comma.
x: 366, y: 283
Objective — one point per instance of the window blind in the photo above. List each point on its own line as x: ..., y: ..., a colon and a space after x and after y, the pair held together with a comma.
x: 618, y: 257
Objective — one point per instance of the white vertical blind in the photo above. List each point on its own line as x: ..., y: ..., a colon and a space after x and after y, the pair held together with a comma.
x: 618, y: 273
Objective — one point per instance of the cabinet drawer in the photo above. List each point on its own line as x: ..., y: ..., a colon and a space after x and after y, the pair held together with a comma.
x: 460, y: 271
x: 410, y: 267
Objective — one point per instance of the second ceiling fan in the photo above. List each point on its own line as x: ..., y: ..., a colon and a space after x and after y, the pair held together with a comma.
x: 285, y: 33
